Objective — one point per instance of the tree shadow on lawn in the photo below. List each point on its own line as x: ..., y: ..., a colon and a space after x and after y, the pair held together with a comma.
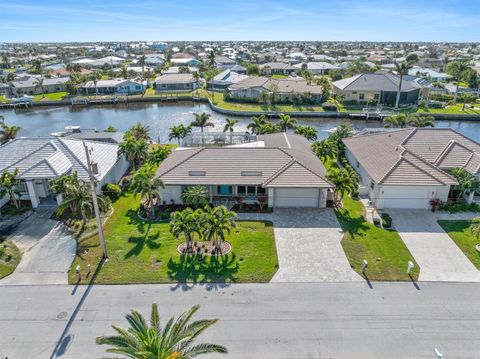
x: 83, y: 247
x: 213, y: 272
x: 350, y: 224
x: 139, y: 223
x: 142, y: 241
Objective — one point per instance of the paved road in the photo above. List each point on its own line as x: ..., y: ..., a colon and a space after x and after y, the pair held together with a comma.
x: 276, y: 320
x: 308, y: 246
x: 47, y: 251
x: 436, y: 253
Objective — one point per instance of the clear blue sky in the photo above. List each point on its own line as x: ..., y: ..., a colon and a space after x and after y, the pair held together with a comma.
x: 372, y: 20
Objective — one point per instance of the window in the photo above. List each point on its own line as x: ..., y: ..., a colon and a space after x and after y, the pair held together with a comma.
x: 261, y: 190
x: 251, y: 190
x: 358, y: 164
x: 376, y: 96
x: 361, y: 96
x: 225, y: 190
x: 251, y: 173
x: 241, y: 190
x: 372, y: 185
x: 197, y: 173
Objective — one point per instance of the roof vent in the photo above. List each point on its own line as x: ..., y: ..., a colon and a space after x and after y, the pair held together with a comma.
x: 251, y: 173
x: 197, y: 173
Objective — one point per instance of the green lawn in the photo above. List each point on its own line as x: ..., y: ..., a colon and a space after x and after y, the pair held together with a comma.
x: 54, y: 96
x: 460, y: 233
x: 9, y: 258
x: 144, y: 252
x: 279, y: 76
x: 384, y: 250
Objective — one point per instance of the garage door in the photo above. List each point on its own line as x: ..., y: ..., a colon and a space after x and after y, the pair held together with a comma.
x: 296, y: 197
x: 405, y: 198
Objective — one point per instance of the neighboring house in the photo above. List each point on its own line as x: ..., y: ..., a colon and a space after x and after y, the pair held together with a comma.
x: 176, y: 70
x: 224, y: 79
x: 277, y: 68
x: 318, y: 68
x: 4, y: 89
x: 107, y: 137
x: 239, y: 69
x: 280, y: 166
x: 107, y: 60
x: 253, y: 87
x: 117, y: 86
x: 184, y: 59
x: 28, y: 86
x: 40, y: 160
x: 452, y: 88
x: 176, y: 83
x: 380, y: 87
x: 63, y: 72
x: 406, y: 168
x: 224, y: 62
x: 430, y: 74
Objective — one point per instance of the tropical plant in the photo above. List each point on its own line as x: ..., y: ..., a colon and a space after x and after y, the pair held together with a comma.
x: 201, y: 120
x: 417, y: 120
x: 152, y: 341
x: 9, y: 186
x: 179, y: 132
x: 139, y: 132
x: 195, y: 196
x: 286, y: 122
x: 309, y: 132
x: 218, y: 221
x: 257, y: 121
x: 230, y: 126
x: 267, y: 128
x: 186, y: 223
x: 94, y: 77
x: 467, y: 183
x: 157, y: 154
x: 38, y: 83
x: 111, y: 129
x: 402, y: 70
x: 325, y: 149
x: 396, y: 121
x: 135, y: 151
x: 124, y: 71
x: 475, y: 228
x: 147, y: 185
x: 343, y: 130
x: 7, y: 133
x: 457, y: 69
x: 345, y: 182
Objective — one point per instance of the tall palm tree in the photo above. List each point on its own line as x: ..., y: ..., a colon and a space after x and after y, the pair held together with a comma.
x: 179, y: 132
x: 173, y: 341
x: 124, y: 72
x: 230, y: 126
x: 9, y: 186
x: 218, y: 221
x: 145, y: 184
x: 135, y: 151
x: 457, y: 69
x: 211, y: 59
x: 7, y: 133
x: 345, y: 181
x: 325, y: 149
x: 94, y: 77
x: 201, y: 120
x: 402, y: 70
x: 257, y: 122
x: 286, y: 122
x: 141, y: 62
x: 421, y: 121
x: 309, y: 132
x: 139, y: 131
x: 38, y: 83
x: 185, y: 223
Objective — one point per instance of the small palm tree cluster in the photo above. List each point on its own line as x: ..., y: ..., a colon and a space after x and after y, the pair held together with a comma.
x: 145, y: 184
x: 261, y: 126
x: 333, y: 146
x: 345, y: 181
x: 467, y: 183
x: 76, y: 196
x: 403, y: 120
x: 7, y: 133
x: 208, y: 223
x: 174, y: 340
x: 9, y: 186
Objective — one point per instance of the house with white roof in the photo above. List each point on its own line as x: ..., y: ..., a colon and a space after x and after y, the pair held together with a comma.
x: 40, y: 160
x: 319, y: 68
x: 224, y: 79
x: 430, y: 74
x: 406, y: 168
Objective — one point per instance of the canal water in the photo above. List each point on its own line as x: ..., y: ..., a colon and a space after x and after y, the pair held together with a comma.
x: 44, y: 121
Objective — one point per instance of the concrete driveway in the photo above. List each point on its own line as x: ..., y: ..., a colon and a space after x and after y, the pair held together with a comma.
x: 47, y: 251
x: 308, y: 246
x: 438, y: 256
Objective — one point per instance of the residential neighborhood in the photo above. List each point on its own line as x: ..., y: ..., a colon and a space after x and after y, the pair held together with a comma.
x: 239, y: 179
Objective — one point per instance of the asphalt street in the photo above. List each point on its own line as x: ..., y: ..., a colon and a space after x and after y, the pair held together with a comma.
x: 276, y: 320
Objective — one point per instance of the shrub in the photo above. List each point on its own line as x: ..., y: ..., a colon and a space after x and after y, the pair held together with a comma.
x: 376, y: 221
x: 460, y: 207
x: 386, y: 220
x: 111, y: 190
x: 328, y: 106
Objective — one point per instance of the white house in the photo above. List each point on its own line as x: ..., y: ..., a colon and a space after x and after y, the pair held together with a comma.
x: 176, y: 83
x: 406, y: 168
x: 117, y: 86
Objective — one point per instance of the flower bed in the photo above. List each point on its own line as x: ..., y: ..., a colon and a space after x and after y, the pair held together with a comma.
x: 205, y: 248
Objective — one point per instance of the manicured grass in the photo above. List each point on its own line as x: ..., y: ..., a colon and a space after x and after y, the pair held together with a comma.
x: 9, y: 258
x: 146, y: 252
x: 54, y: 96
x: 384, y: 250
x: 279, y: 76
x: 460, y: 233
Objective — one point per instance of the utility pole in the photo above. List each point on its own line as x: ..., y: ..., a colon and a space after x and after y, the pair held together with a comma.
x: 95, y: 203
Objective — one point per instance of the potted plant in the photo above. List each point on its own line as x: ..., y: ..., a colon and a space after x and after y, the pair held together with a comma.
x: 239, y: 201
x: 434, y: 204
x: 262, y: 199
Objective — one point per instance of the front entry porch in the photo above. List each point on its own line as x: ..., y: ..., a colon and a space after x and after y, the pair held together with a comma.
x: 38, y: 192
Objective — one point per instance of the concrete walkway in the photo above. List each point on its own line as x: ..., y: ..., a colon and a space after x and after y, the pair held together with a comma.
x: 47, y: 251
x: 438, y: 256
x: 308, y: 246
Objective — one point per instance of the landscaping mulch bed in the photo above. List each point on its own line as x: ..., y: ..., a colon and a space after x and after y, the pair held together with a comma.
x: 206, y: 248
x: 251, y: 208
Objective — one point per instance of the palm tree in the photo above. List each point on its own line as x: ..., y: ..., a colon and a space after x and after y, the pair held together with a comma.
x: 9, y: 186
x: 268, y: 128
x: 230, y: 126
x: 173, y: 341
x: 158, y: 154
x: 124, y: 71
x: 402, y: 70
x: 286, y: 122
x: 141, y: 62
x: 309, y: 132
x: 345, y: 181
x: 135, y: 150
x: 95, y: 76
x: 211, y: 59
x: 179, y: 132
x: 185, y: 223
x: 218, y: 222
x: 201, y: 120
x: 145, y: 184
x: 467, y: 183
x: 457, y: 69
x: 257, y: 121
x: 421, y: 121
x: 325, y: 149
x: 39, y: 84
x: 195, y: 196
x: 7, y: 133
x: 139, y: 132
x: 396, y: 121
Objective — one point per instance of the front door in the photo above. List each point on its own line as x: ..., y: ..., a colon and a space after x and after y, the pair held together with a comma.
x: 225, y: 190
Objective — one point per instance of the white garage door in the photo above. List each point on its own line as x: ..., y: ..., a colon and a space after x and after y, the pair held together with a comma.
x: 296, y: 197
x: 405, y: 198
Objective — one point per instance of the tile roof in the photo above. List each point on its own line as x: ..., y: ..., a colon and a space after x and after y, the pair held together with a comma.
x: 285, y: 161
x: 174, y: 78
x: 375, y: 82
x: 284, y: 85
x: 415, y: 155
